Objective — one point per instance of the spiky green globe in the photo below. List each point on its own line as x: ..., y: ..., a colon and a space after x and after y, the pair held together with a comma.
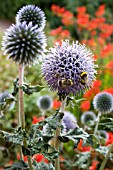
x: 31, y: 13
x: 23, y: 43
x: 45, y: 103
x: 103, y: 102
x: 87, y: 117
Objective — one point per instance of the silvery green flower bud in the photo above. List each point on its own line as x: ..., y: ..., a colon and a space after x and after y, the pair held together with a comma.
x: 45, y: 103
x: 88, y: 116
x: 31, y: 13
x: 103, y: 102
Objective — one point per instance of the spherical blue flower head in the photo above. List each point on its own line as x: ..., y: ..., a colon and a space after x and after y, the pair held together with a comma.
x: 103, y: 134
x: 23, y: 43
x: 69, y: 68
x: 31, y: 13
x: 103, y: 102
x: 69, y: 120
x: 45, y: 102
x: 87, y: 117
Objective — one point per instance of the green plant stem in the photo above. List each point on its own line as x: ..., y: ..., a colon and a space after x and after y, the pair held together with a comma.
x: 56, y: 141
x: 98, y: 120
x: 21, y: 109
x: 106, y: 158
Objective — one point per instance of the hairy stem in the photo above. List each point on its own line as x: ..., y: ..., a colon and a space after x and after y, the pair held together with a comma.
x: 98, y: 120
x: 21, y: 109
x: 106, y: 157
x: 56, y: 141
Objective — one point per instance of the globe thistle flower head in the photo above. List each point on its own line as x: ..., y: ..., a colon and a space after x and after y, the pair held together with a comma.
x: 87, y: 117
x: 23, y: 43
x: 45, y: 102
x: 31, y: 13
x: 103, y: 134
x: 69, y: 69
x: 103, y: 102
x: 69, y: 121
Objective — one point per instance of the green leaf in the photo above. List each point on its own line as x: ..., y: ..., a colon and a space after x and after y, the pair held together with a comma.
x: 103, y: 150
x: 16, y: 87
x: 16, y: 138
x: 28, y: 89
x: 108, y: 124
x: 43, y: 166
x: 76, y: 134
x: 7, y: 102
x: 83, y: 160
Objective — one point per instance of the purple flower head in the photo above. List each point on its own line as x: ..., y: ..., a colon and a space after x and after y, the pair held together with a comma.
x: 69, y: 68
x: 23, y: 43
x: 69, y: 120
x: 103, y: 102
x: 31, y: 13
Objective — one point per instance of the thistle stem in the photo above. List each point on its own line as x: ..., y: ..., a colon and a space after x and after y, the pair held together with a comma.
x: 106, y: 157
x: 98, y: 120
x: 21, y: 109
x: 21, y: 97
x: 56, y: 141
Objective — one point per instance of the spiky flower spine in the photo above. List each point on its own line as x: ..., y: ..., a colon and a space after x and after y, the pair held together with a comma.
x: 23, y: 43
x: 103, y: 102
x: 69, y: 120
x: 69, y: 68
x: 87, y: 117
x: 31, y: 13
x: 45, y: 103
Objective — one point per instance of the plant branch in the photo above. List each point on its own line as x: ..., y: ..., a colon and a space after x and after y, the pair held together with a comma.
x: 57, y: 133
x: 98, y: 120
x: 106, y: 157
x: 21, y: 109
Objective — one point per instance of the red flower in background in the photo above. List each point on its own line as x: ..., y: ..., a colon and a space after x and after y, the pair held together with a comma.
x: 110, y: 138
x: 108, y: 49
x: 109, y: 67
x: 109, y: 90
x: 18, y: 157
x: 37, y: 119
x: 85, y: 105
x: 56, y: 104
x: 83, y: 148
x: 40, y: 158
x: 81, y: 9
x: 101, y: 10
x: 94, y: 90
x: 94, y: 165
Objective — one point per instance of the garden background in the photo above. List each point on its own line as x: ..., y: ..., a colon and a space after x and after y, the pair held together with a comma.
x: 89, y: 22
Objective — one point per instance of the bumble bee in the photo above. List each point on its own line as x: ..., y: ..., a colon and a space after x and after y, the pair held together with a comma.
x: 65, y: 82
x: 83, y: 78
